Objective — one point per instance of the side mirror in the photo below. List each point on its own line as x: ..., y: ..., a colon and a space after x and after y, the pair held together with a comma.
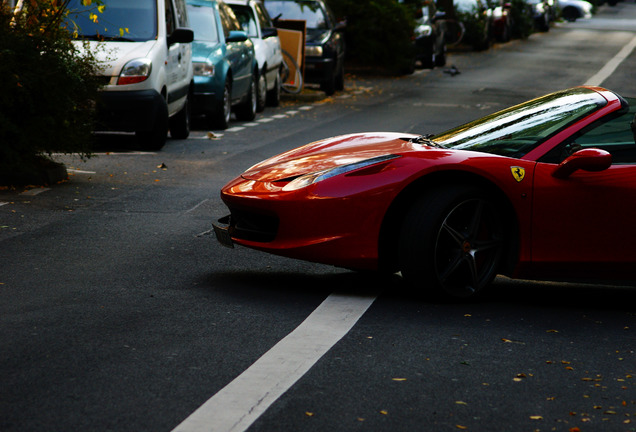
x: 590, y: 159
x: 236, y: 36
x: 268, y: 32
x: 181, y: 35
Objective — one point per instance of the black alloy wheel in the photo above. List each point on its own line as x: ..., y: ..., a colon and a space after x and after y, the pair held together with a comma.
x: 452, y: 241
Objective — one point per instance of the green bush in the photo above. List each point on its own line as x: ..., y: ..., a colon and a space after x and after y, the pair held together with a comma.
x: 523, y: 25
x: 47, y: 88
x: 379, y: 33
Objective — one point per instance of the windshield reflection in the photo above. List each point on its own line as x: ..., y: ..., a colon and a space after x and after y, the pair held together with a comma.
x: 515, y: 131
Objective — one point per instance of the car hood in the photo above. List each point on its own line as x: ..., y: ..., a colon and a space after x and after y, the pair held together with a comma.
x: 330, y: 153
x: 112, y: 56
x: 202, y: 50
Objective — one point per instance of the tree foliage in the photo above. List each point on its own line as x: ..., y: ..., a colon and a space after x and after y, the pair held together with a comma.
x: 47, y: 86
x: 379, y: 32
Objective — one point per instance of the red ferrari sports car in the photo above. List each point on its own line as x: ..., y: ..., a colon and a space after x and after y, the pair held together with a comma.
x: 542, y: 190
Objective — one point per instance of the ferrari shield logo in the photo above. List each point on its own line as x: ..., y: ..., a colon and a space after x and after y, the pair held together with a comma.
x: 518, y: 173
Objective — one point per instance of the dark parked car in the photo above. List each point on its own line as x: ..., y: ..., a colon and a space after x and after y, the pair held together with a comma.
x: 430, y: 44
x: 325, y: 44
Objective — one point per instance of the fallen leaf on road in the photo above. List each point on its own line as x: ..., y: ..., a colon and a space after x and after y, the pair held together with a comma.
x: 536, y: 418
x: 399, y: 379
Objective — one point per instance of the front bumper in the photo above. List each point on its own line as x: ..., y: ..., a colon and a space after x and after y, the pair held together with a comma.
x: 130, y: 111
x: 319, y: 69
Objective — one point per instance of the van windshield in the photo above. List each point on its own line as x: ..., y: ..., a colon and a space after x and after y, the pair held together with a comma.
x: 121, y: 20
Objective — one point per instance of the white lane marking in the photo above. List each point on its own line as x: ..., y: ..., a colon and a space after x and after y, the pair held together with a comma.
x: 3, y: 203
x: 292, y: 112
x: 265, y: 120
x: 76, y: 171
x: 280, y: 116
x: 306, y: 108
x: 197, y: 206
x: 611, y: 66
x: 34, y: 192
x: 242, y: 401
x: 235, y: 129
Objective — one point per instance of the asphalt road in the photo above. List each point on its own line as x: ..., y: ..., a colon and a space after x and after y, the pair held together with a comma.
x: 120, y: 312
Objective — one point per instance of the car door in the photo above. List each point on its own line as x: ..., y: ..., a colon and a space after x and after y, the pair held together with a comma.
x: 585, y: 224
x: 272, y: 43
x: 179, y: 62
x: 238, y: 54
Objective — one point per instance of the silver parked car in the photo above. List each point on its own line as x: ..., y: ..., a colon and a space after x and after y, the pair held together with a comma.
x: 258, y: 25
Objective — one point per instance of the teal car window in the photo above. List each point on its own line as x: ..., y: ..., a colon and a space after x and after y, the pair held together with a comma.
x: 515, y: 131
x: 203, y: 23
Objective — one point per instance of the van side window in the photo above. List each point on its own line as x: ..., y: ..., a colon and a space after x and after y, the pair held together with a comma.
x: 169, y: 18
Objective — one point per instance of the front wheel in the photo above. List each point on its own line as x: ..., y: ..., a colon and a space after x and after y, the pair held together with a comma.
x: 180, y: 122
x: 261, y: 98
x: 452, y: 241
x: 273, y: 95
x: 246, y: 111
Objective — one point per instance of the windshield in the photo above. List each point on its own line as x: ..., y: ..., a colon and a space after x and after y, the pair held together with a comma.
x: 309, y: 11
x: 124, y: 20
x: 203, y: 23
x: 517, y: 130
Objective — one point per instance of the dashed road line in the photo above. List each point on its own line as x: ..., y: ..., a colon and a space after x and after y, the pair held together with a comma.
x: 3, y: 203
x: 34, y: 192
x: 76, y: 171
x: 241, y: 402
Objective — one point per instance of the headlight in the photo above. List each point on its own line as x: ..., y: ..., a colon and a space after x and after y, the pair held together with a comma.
x: 135, y: 71
x: 203, y: 68
x: 313, y: 51
x: 423, y: 30
x: 311, y: 178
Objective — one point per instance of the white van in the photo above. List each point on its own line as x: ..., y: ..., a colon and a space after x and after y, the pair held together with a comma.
x: 145, y: 50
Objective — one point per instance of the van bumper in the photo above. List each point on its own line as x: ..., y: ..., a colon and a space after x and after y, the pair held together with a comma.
x: 130, y: 111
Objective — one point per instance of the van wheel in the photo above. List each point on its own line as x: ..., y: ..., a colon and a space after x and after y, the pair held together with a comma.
x: 155, y: 138
x: 273, y: 96
x: 246, y: 111
x: 220, y: 118
x: 180, y: 123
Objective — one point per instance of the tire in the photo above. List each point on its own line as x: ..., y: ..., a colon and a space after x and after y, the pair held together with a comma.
x: 340, y: 78
x: 246, y: 111
x: 273, y: 95
x: 220, y: 118
x: 440, y: 59
x: 155, y: 138
x: 180, y: 122
x: 452, y: 242
x: 570, y: 14
x: 261, y: 92
x: 329, y: 85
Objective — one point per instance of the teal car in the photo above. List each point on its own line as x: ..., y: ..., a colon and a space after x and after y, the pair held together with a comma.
x: 224, y: 65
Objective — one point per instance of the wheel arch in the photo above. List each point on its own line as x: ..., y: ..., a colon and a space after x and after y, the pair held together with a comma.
x: 393, y: 219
